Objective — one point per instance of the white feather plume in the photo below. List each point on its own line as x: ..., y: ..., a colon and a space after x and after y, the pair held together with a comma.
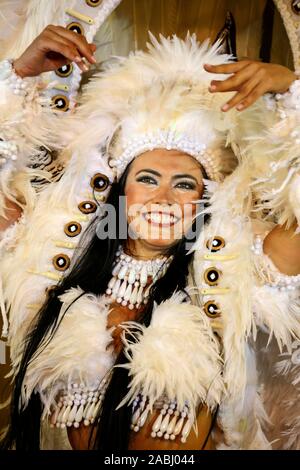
x: 177, y: 356
x: 22, y: 267
x: 140, y: 94
x: 79, y: 350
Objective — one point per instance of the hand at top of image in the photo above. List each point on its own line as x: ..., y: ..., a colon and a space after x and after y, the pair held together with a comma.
x: 250, y: 79
x: 54, y: 47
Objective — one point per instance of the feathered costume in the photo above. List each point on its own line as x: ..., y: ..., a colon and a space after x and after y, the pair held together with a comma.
x: 241, y: 337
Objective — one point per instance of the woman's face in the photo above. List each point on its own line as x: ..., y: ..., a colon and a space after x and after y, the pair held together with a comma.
x: 161, y: 189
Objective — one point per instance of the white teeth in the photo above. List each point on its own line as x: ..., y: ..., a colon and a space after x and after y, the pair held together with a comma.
x: 159, y: 218
x: 166, y: 219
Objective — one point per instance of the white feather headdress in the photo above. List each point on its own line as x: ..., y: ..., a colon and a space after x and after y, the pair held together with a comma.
x: 159, y: 99
x: 140, y: 97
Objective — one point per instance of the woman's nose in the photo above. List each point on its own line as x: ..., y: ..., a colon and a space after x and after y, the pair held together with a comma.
x: 164, y: 195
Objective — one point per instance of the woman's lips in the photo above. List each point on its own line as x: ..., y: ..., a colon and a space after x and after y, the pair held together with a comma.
x: 161, y: 219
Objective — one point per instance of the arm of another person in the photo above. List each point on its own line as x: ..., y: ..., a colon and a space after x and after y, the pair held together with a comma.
x: 12, y: 213
x: 26, y: 124
x: 283, y: 247
x: 250, y: 79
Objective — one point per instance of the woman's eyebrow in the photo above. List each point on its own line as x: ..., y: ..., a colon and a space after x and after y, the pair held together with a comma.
x: 148, y: 170
x: 185, y: 176
x: 156, y: 173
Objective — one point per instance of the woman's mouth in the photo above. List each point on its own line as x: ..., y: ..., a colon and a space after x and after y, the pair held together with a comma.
x: 161, y: 219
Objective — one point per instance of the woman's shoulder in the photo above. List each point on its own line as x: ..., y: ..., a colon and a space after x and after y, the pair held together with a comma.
x: 282, y: 245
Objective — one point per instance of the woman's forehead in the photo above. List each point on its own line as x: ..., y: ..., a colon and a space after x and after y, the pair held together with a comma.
x: 171, y: 161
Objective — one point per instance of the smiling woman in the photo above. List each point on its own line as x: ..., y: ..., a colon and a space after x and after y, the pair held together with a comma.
x: 167, y: 336
x: 162, y: 190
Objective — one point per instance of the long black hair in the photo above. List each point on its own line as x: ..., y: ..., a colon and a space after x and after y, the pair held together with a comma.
x: 113, y: 429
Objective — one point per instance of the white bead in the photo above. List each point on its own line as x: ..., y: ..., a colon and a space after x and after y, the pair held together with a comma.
x: 133, y: 297
x: 157, y: 423
x: 122, y: 289
x: 116, y: 269
x: 178, y: 426
x: 186, y: 430
x: 131, y: 277
x: 165, y: 423
x: 171, y: 427
x: 128, y: 292
x: 122, y: 272
x: 95, y: 410
x: 116, y: 287
x: 89, y: 411
x: 79, y: 414
x: 72, y: 414
x: 112, y: 282
x: 136, y: 416
x: 65, y: 416
x: 144, y: 276
x: 143, y: 417
x: 140, y: 295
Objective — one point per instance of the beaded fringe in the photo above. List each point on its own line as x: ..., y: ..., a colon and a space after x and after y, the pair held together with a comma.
x: 170, y: 423
x: 78, y: 404
x: 82, y: 405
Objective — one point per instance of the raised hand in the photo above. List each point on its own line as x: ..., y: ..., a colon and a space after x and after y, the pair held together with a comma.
x: 250, y: 79
x: 54, y: 47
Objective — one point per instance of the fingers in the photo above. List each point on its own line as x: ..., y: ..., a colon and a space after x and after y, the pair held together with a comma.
x: 226, y: 68
x: 64, y: 49
x: 255, y: 94
x: 234, y: 82
x: 56, y: 44
x: 52, y: 40
x: 78, y: 40
x: 93, y: 47
x: 243, y: 99
x: 249, y: 81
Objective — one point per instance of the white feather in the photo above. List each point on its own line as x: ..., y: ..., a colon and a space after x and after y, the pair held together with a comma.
x: 79, y: 350
x: 176, y: 356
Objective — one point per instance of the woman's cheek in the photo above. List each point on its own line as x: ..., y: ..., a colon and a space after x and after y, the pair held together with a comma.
x: 135, y: 194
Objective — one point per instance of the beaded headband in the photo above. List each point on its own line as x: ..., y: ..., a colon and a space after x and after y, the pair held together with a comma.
x: 170, y: 140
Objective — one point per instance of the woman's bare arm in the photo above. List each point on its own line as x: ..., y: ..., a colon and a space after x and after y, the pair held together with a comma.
x: 283, y: 247
x: 12, y: 213
x: 250, y: 79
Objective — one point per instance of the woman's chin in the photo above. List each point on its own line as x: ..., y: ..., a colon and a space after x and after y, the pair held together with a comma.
x: 158, y: 242
x: 161, y: 243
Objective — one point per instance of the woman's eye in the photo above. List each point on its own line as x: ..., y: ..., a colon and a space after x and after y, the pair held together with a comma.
x: 186, y: 185
x: 146, y: 180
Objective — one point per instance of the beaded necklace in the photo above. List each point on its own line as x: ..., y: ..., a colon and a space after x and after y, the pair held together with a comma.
x: 132, y: 279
